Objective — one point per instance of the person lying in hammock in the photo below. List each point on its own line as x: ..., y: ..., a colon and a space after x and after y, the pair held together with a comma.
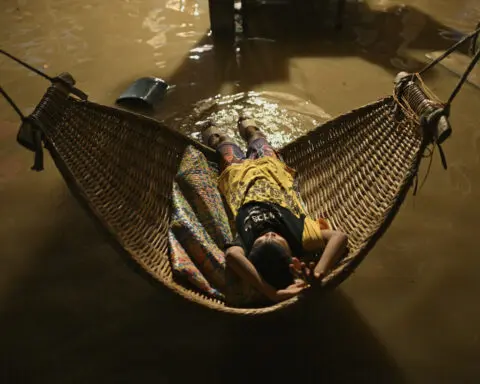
x: 275, y: 239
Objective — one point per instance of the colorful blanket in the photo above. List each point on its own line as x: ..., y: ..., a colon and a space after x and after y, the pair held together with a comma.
x: 200, y: 228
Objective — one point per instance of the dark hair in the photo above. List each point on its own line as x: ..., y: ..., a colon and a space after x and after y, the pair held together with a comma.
x: 272, y: 262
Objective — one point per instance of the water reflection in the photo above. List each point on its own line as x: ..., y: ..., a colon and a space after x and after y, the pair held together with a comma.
x: 282, y: 117
x: 191, y: 7
x: 202, y: 48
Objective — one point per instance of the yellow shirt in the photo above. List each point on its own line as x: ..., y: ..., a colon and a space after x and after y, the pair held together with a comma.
x: 269, y: 180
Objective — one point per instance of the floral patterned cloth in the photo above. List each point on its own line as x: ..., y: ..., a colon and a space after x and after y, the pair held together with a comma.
x: 265, y: 179
x: 184, y: 266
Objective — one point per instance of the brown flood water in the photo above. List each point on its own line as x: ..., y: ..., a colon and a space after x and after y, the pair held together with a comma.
x: 71, y: 311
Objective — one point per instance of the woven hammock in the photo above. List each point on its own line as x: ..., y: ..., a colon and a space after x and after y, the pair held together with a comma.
x: 354, y: 170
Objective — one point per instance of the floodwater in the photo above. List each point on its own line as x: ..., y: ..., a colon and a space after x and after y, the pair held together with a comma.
x: 71, y: 311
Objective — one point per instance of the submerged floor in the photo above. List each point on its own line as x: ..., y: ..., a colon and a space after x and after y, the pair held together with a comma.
x: 71, y: 311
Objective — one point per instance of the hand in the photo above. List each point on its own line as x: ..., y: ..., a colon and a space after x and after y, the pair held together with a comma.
x: 306, y: 273
x: 289, y: 292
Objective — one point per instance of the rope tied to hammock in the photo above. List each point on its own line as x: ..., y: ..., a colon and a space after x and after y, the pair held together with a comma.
x: 431, y: 113
x: 31, y: 132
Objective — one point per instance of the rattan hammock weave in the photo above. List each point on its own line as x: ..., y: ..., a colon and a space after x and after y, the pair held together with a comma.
x: 354, y: 170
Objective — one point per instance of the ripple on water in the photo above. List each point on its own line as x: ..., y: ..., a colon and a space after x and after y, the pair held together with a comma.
x: 282, y: 117
x: 190, y: 7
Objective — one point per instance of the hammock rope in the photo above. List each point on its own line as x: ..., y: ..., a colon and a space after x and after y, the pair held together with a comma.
x: 355, y: 169
x: 12, y: 104
x: 31, y: 136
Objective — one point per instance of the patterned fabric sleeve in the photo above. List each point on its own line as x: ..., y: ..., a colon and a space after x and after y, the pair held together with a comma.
x: 194, y: 238
x: 184, y: 267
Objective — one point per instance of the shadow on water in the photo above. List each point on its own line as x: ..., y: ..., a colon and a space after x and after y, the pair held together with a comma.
x: 79, y: 315
x: 276, y: 34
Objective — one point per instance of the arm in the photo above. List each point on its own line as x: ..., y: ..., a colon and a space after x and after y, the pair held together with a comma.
x: 235, y: 257
x: 336, y: 244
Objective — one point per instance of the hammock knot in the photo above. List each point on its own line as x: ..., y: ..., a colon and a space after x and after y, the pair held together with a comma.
x: 67, y: 81
x: 419, y: 104
x: 437, y: 125
x: 31, y: 137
